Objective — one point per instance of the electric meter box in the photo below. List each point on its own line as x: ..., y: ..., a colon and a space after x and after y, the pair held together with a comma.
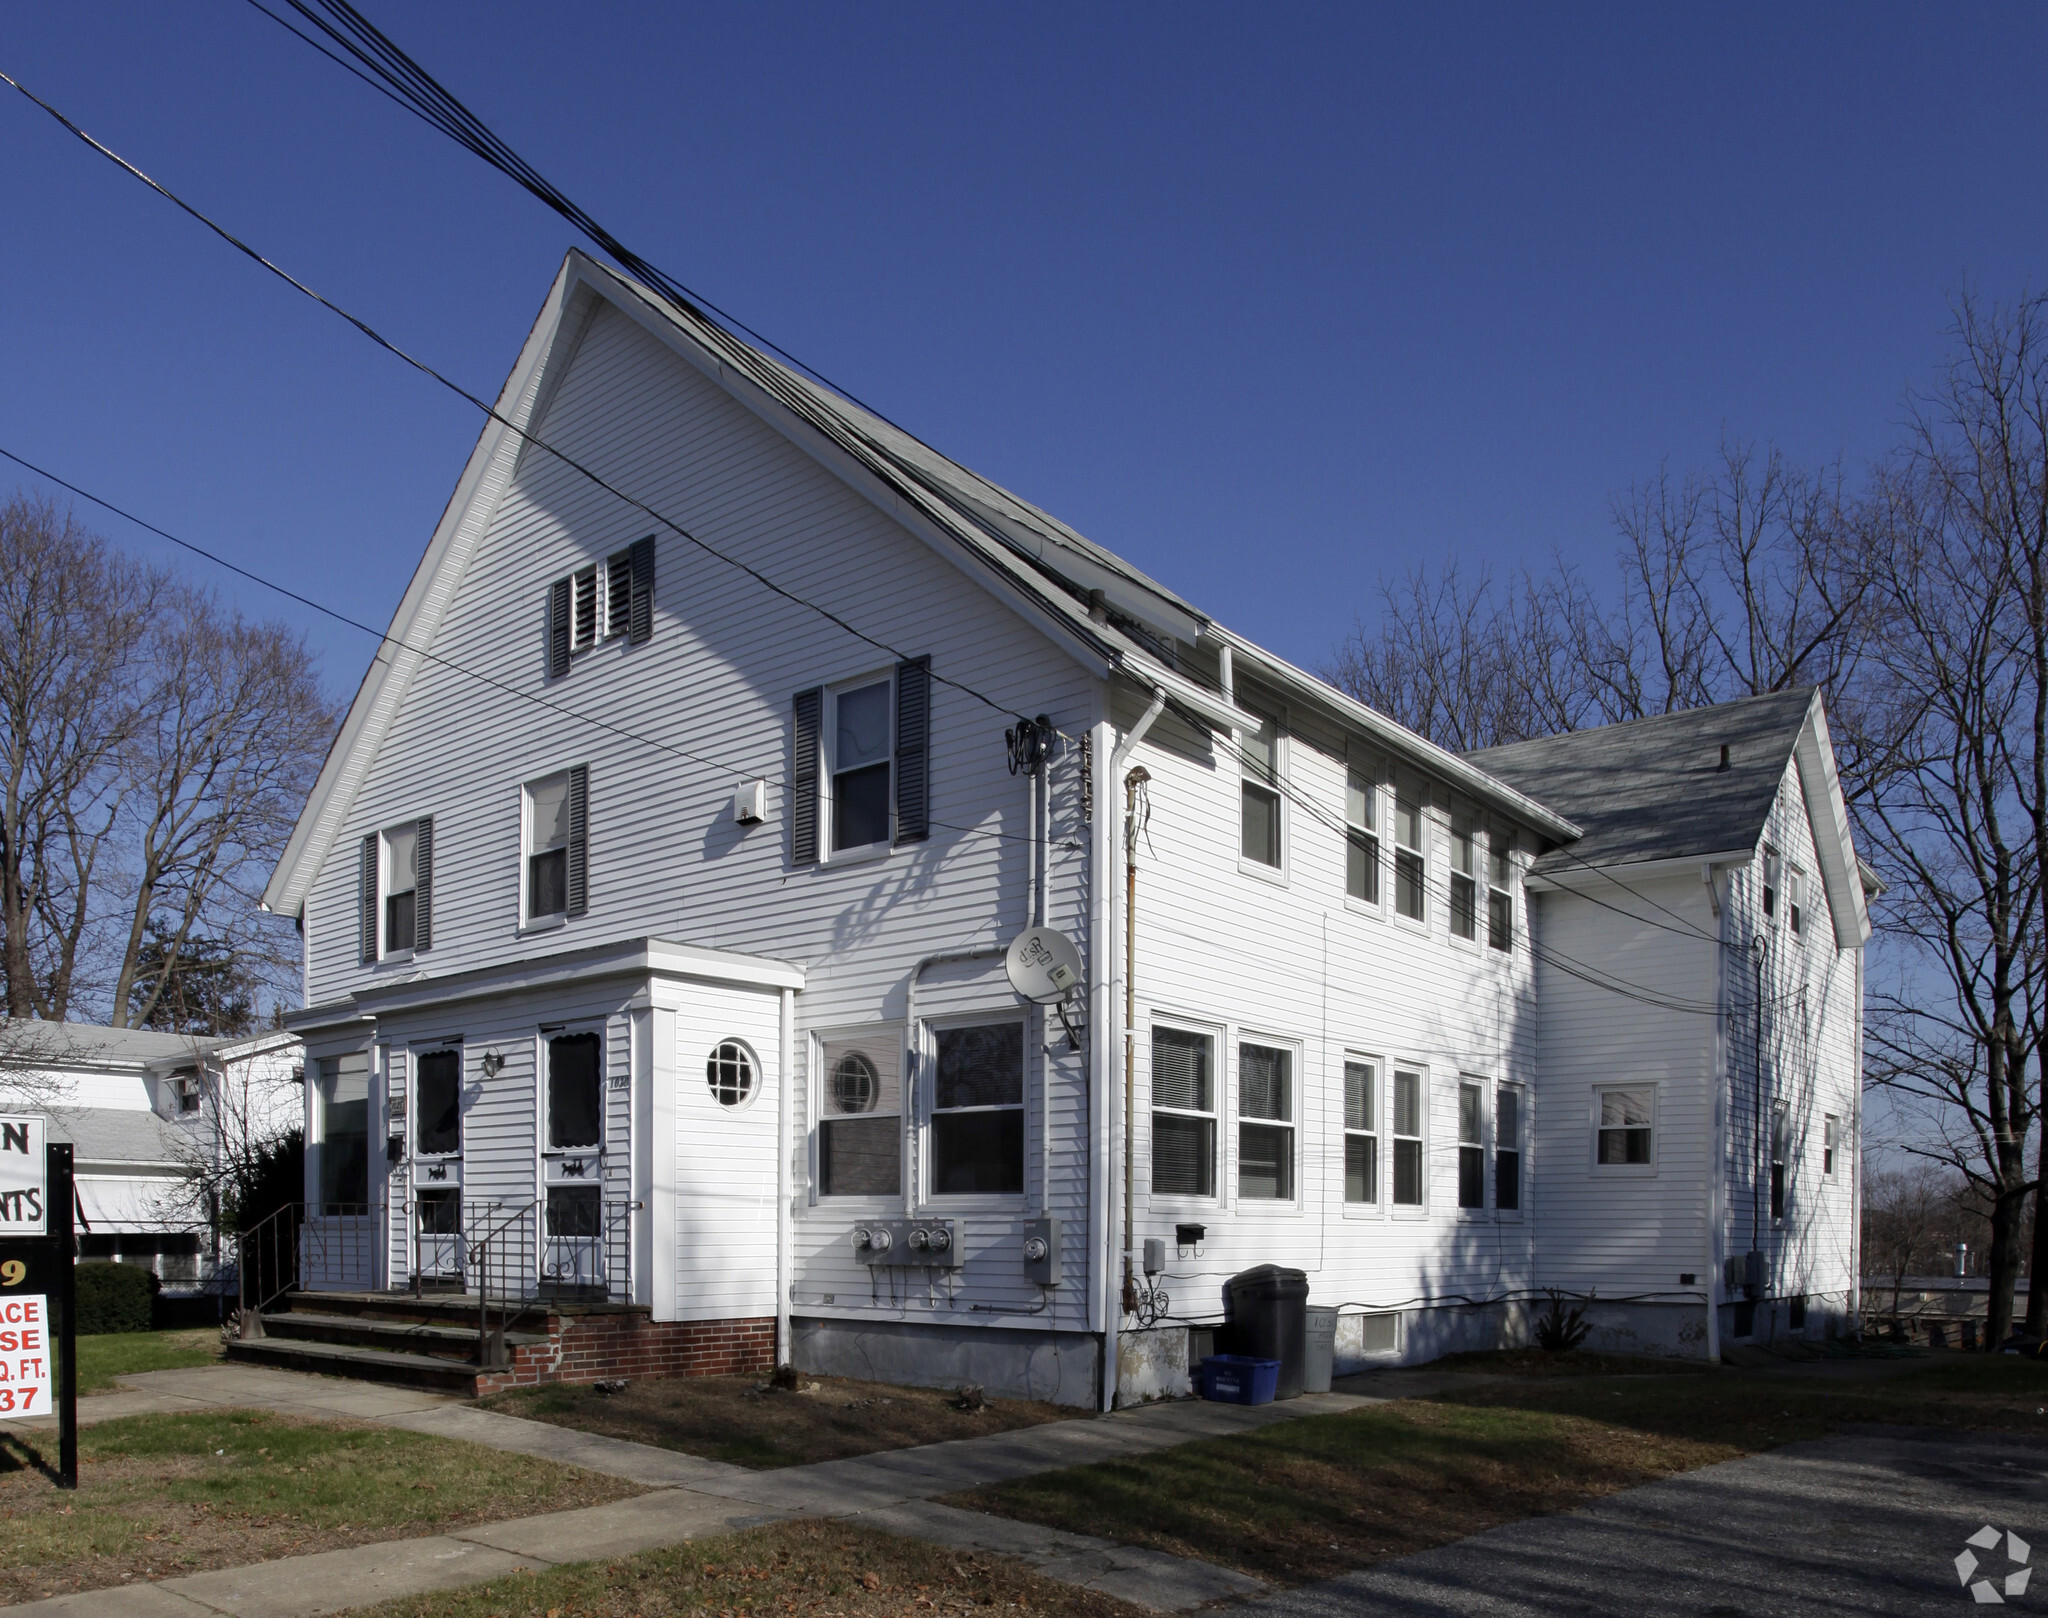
x: 932, y: 1244
x: 1042, y: 1251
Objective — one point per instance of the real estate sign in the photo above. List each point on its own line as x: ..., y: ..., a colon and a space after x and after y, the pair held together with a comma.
x: 25, y: 1356
x: 24, y: 1189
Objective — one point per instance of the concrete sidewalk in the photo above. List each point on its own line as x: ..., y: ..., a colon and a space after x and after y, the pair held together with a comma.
x: 1867, y: 1522
x: 693, y: 1499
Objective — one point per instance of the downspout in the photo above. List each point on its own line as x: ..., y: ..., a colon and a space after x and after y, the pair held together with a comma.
x: 1717, y: 1152
x: 1111, y: 1328
x: 785, y: 1101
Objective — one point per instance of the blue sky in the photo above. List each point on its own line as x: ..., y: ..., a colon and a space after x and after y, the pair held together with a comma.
x: 1274, y: 301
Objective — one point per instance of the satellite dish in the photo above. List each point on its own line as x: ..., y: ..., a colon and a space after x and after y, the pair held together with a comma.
x: 1043, y: 965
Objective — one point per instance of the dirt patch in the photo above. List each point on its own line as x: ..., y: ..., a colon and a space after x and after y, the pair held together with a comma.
x: 163, y: 1495
x: 824, y: 1569
x: 747, y: 1422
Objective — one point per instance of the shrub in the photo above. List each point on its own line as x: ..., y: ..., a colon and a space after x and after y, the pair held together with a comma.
x: 114, y: 1297
x: 1560, y: 1330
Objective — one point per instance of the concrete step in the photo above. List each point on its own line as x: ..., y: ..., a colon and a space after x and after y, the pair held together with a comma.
x: 449, y: 1342
x: 367, y: 1364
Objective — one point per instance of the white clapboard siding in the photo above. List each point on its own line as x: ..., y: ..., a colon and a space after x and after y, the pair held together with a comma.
x: 1622, y: 1231
x: 725, y: 1159
x: 715, y: 683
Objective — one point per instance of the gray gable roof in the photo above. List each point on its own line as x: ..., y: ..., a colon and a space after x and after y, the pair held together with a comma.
x: 119, y: 1135
x: 1653, y: 789
x: 58, y: 1044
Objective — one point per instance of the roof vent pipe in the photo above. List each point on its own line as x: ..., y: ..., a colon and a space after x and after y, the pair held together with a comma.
x: 1724, y: 756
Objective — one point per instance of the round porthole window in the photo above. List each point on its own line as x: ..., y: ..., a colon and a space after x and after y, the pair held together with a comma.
x: 856, y: 1086
x: 730, y: 1073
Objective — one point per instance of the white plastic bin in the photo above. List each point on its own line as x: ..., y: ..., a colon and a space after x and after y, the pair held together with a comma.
x: 1321, y: 1350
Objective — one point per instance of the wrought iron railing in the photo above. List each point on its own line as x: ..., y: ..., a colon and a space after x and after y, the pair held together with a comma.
x: 331, y: 1244
x: 433, y: 1223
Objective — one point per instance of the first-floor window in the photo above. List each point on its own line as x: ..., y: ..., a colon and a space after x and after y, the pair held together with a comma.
x: 1183, y: 1113
x: 1830, y: 1143
x: 1627, y: 1117
x: 860, y: 1135
x: 1265, y: 1127
x: 1407, y: 1139
x: 1779, y: 1128
x: 978, y: 1110
x: 1361, y: 1132
x: 342, y: 1153
x: 1507, y: 1148
x: 1471, y: 1144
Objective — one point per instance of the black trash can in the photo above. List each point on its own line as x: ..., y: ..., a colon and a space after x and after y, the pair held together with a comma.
x: 1269, y: 1319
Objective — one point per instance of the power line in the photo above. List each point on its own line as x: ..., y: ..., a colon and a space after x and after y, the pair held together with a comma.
x: 392, y: 642
x: 490, y: 410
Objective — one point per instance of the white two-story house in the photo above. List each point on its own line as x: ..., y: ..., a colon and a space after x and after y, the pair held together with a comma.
x: 657, y: 890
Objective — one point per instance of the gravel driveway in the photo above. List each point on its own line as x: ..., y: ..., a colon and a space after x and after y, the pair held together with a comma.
x: 1867, y: 1522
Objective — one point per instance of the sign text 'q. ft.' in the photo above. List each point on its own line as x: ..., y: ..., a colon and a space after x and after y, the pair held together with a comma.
x: 24, y: 1199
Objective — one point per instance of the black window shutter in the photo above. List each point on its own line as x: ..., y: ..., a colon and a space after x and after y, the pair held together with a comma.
x: 366, y: 901
x: 913, y: 750
x: 423, y: 892
x: 808, y: 713
x: 579, y: 839
x: 558, y: 629
x: 642, y: 620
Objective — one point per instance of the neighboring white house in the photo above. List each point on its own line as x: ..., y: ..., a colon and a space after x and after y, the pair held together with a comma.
x: 656, y: 891
x: 146, y: 1113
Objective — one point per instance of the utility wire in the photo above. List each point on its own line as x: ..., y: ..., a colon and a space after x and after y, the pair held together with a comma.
x: 489, y: 410
x: 393, y: 643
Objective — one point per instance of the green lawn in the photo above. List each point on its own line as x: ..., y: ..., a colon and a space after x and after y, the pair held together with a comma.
x: 115, y: 1354
x: 1310, y: 1499
x: 168, y: 1494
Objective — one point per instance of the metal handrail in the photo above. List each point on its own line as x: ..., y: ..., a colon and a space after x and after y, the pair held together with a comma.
x: 490, y: 1346
x: 272, y: 1257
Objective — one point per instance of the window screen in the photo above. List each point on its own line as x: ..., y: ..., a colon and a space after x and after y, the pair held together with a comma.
x: 1183, y: 1114
x: 437, y: 1103
x: 1265, y: 1132
x: 860, y: 1131
x: 575, y: 1091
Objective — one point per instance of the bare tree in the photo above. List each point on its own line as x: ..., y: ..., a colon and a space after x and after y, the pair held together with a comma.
x: 1909, y: 1219
x: 154, y: 750
x: 74, y: 629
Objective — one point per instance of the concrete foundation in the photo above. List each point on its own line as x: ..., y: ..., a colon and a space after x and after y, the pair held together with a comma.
x: 1152, y: 1365
x: 1059, y: 1367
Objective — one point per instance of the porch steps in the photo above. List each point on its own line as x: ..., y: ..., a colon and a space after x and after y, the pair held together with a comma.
x: 423, y: 1342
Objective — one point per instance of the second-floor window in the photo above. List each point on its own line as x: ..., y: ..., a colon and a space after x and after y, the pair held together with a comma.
x: 1500, y: 893
x: 1362, y: 839
x: 1411, y: 869
x: 557, y: 845
x: 1464, y: 878
x: 401, y: 886
x: 858, y: 739
x: 1259, y: 827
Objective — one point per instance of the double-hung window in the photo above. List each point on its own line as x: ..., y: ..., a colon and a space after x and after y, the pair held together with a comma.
x: 1625, y: 1127
x: 1507, y: 1148
x: 1259, y: 831
x: 1795, y: 901
x: 1361, y: 1131
x: 859, y: 732
x: 1411, y: 869
x: 1830, y: 1144
x: 1500, y: 892
x: 1265, y: 1123
x: 401, y: 886
x: 1183, y: 1113
x: 1408, y: 1183
x: 860, y: 1102
x: 978, y: 1111
x: 1773, y: 875
x: 1361, y: 839
x: 556, y: 853
x: 1464, y: 878
x: 1471, y: 1144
